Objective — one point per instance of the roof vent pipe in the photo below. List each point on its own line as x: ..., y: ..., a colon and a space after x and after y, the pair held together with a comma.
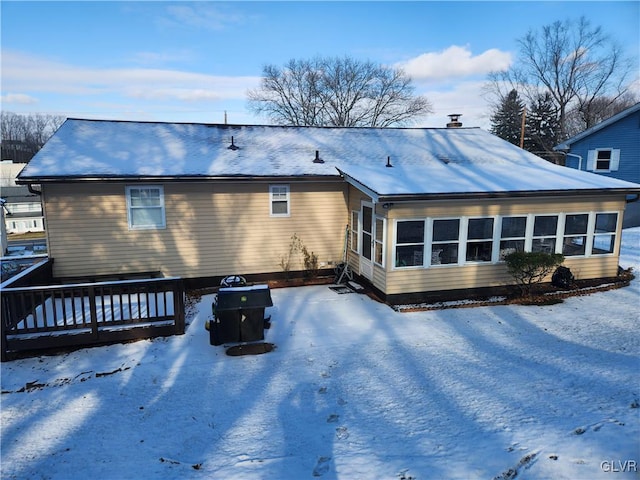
x: 233, y: 146
x: 454, y: 122
x: 389, y: 162
x: 318, y: 159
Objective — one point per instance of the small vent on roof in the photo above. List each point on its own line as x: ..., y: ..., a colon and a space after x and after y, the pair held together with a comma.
x: 454, y: 122
x: 318, y: 159
x: 388, y: 165
x: 233, y: 146
x: 444, y: 159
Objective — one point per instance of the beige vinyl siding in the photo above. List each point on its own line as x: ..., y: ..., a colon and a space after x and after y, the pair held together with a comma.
x: 439, y: 278
x: 211, y: 229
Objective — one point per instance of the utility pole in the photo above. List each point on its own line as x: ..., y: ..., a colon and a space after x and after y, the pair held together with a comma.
x: 524, y: 115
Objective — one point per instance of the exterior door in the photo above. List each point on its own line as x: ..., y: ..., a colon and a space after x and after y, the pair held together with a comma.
x: 366, y: 240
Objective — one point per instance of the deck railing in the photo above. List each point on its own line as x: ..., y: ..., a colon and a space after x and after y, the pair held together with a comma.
x: 52, y: 316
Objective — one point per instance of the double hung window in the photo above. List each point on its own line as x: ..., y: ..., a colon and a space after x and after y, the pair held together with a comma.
x: 512, y: 235
x: 545, y: 229
x: 479, y: 240
x: 279, y: 199
x: 378, y: 242
x: 409, y: 243
x: 445, y: 241
x: 145, y: 207
x: 604, y: 237
x: 575, y: 234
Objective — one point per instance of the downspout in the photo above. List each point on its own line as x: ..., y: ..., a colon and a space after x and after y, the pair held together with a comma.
x: 579, y: 157
x: 31, y: 190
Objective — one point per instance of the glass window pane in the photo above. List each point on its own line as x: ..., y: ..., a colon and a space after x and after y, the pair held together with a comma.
x: 603, y: 244
x: 606, y: 222
x: 444, y: 230
x: 410, y: 232
x: 378, y: 252
x: 410, y: 255
x: 479, y: 251
x: 514, y: 227
x: 480, y: 228
x: 574, y: 246
x: 279, y: 208
x: 146, y: 217
x: 510, y: 246
x: 545, y: 225
x: 379, y: 229
x: 444, y: 253
x: 545, y: 245
x: 576, y: 224
x: 366, y: 245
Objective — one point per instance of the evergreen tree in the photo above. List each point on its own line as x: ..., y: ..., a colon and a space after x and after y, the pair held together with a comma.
x: 506, y: 121
x: 542, y: 128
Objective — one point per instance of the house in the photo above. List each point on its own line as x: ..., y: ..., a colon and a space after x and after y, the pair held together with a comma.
x: 22, y: 209
x: 430, y: 211
x: 612, y: 149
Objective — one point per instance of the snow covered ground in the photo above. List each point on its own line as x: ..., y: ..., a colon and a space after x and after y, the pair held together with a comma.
x: 354, y: 390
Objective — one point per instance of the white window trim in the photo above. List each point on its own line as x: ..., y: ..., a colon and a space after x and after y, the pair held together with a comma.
x: 160, y: 188
x: 558, y: 234
x: 394, y: 243
x: 614, y: 161
x: 467, y: 241
x: 590, y: 225
x: 593, y: 234
x: 497, y: 229
x: 287, y: 199
x: 462, y: 243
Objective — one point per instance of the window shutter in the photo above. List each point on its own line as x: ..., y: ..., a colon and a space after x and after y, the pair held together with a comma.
x: 591, y: 160
x: 615, y: 160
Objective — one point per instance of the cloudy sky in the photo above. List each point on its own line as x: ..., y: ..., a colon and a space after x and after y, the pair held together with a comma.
x: 195, y: 61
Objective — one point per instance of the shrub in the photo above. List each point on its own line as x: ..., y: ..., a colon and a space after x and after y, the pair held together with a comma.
x: 309, y: 259
x: 530, y: 268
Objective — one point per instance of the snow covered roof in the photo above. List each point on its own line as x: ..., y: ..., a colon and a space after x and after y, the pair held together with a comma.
x: 425, y: 161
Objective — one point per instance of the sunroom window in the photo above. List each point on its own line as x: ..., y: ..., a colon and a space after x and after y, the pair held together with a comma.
x: 575, y: 234
x: 355, y: 216
x: 378, y: 241
x: 445, y: 241
x: 409, y: 243
x: 604, y: 238
x: 479, y: 240
x: 545, y: 229
x: 512, y: 235
x: 145, y: 206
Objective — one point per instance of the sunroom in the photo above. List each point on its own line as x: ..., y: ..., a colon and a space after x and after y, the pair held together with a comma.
x: 412, y: 242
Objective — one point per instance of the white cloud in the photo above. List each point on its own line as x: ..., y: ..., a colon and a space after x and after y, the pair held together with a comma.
x: 202, y: 15
x: 18, y: 98
x: 33, y: 74
x: 465, y: 98
x: 455, y: 62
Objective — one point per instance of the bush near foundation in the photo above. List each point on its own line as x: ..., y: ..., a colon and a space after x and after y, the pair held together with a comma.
x: 530, y: 268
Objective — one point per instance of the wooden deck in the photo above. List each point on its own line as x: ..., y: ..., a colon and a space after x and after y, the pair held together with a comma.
x: 37, y: 317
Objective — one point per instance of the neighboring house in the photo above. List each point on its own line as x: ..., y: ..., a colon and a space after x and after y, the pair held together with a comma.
x: 431, y: 212
x: 22, y: 209
x: 612, y: 149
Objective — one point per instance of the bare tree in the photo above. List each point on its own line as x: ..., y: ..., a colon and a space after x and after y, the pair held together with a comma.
x: 577, y: 64
x: 337, y: 92
x: 24, y: 135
